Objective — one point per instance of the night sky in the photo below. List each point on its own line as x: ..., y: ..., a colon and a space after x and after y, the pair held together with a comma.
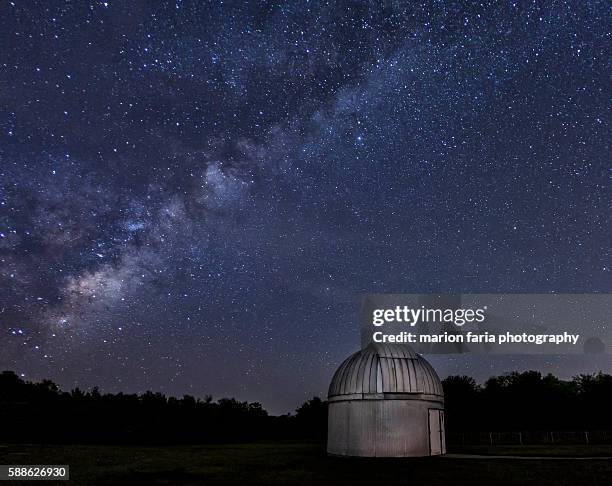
x: 194, y: 195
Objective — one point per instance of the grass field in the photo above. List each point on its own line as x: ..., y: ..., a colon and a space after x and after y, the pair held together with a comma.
x: 559, y: 450
x: 288, y: 463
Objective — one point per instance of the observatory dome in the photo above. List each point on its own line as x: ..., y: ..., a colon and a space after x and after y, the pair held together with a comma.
x: 384, y: 368
x: 386, y: 400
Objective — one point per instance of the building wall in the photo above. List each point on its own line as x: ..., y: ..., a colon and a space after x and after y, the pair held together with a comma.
x: 379, y: 428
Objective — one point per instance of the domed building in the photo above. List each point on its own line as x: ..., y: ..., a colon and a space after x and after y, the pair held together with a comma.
x: 386, y: 401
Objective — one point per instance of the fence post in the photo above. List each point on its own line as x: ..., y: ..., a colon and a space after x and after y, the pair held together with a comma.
x: 586, y: 437
x: 520, y: 438
x: 552, y: 437
x: 491, y: 438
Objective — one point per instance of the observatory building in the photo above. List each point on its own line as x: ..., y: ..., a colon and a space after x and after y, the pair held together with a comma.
x: 386, y: 401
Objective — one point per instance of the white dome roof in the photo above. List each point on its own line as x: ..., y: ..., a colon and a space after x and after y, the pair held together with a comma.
x: 384, y: 369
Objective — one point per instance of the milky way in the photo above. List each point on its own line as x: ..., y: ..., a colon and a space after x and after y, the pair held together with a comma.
x: 194, y: 195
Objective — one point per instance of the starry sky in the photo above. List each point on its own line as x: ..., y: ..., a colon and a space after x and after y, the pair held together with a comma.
x: 194, y: 195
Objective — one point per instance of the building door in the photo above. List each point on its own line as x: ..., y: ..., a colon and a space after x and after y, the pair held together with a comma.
x: 437, y: 441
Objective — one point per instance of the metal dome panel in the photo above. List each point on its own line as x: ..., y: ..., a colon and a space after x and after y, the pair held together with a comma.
x: 385, y: 368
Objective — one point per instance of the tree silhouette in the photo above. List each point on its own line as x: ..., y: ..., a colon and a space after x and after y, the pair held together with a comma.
x: 41, y: 412
x: 311, y: 418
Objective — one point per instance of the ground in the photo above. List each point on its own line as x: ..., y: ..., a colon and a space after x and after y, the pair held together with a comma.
x: 289, y: 463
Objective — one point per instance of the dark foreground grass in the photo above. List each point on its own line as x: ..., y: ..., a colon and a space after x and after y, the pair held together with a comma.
x: 558, y: 450
x: 295, y: 463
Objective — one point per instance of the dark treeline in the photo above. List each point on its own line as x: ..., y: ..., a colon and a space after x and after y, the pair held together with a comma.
x: 41, y: 412
x: 528, y: 401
